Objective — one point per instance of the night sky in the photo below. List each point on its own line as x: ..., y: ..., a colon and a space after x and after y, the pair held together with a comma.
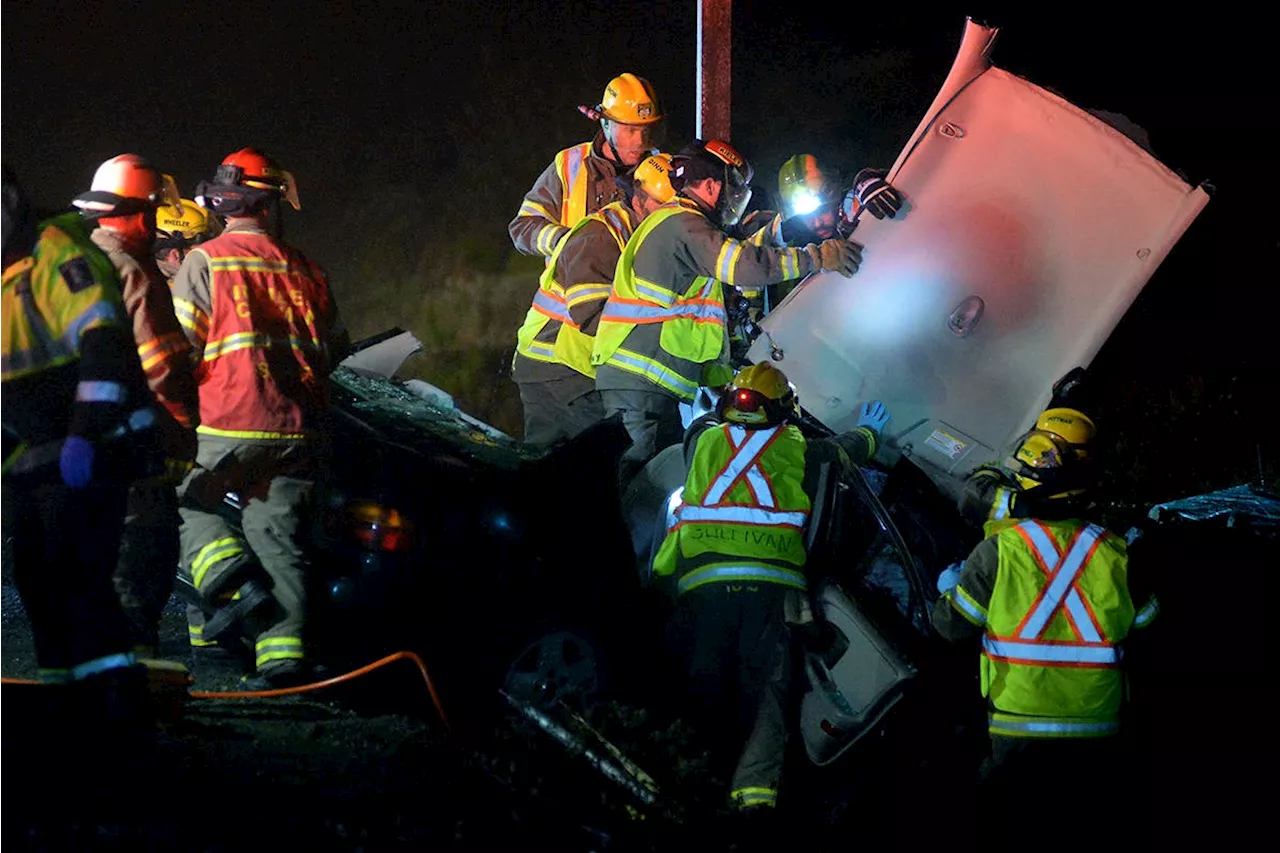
x: 410, y: 125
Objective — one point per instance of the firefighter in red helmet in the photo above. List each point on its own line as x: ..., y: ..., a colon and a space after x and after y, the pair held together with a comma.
x: 265, y: 330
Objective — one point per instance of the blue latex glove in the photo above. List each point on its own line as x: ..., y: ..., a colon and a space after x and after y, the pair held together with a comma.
x: 949, y: 578
x: 76, y: 461
x: 874, y: 415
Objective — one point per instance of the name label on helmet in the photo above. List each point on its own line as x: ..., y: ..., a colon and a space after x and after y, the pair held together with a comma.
x: 725, y: 152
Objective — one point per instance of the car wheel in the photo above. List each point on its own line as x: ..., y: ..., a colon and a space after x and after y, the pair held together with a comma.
x: 557, y: 665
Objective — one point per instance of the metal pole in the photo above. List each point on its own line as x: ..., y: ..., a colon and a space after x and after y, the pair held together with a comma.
x: 715, y: 80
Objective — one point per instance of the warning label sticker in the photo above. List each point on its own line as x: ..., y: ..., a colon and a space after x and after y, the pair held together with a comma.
x: 946, y: 444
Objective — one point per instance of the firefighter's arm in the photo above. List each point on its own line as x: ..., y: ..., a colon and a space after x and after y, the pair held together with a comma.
x: 165, y: 353
x: 714, y: 254
x: 585, y: 268
x: 760, y: 228
x: 91, y: 309
x: 193, y: 301
x: 961, y: 611
x: 536, y: 229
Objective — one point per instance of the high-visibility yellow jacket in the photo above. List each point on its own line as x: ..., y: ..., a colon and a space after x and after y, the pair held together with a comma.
x: 70, y: 366
x: 559, y: 328
x: 1053, y: 602
x: 579, y: 181
x: 665, y: 318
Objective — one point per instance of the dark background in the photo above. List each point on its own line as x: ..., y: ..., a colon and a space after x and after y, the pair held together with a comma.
x: 415, y: 128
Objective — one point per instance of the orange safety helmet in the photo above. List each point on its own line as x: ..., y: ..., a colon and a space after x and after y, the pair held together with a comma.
x: 250, y: 167
x: 125, y: 185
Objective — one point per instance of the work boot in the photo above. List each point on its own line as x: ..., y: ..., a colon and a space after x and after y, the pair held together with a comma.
x: 253, y: 601
x: 289, y: 673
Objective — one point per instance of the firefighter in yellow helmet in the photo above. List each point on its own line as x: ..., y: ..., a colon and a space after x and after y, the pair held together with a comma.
x: 179, y: 228
x: 665, y: 330
x: 734, y: 558
x: 1055, y: 452
x: 79, y: 426
x: 122, y: 203
x: 1052, y: 596
x: 552, y: 363
x: 580, y: 179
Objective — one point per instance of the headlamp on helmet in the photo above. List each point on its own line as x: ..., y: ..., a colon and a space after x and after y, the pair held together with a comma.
x: 759, y: 397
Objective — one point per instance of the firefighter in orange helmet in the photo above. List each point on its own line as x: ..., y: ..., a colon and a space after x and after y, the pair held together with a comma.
x: 265, y: 331
x: 122, y: 203
x: 580, y: 180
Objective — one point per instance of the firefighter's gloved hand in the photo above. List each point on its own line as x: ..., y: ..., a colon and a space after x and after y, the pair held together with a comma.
x: 874, y: 416
x: 837, y: 255
x: 872, y: 192
x: 76, y: 461
x: 949, y: 578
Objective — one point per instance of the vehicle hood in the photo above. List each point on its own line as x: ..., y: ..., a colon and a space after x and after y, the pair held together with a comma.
x: 1030, y: 227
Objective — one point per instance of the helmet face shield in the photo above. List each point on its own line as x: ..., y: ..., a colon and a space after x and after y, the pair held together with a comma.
x: 734, y: 197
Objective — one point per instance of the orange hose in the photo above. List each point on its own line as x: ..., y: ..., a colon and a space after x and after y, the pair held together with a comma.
x: 306, y: 688
x: 329, y: 682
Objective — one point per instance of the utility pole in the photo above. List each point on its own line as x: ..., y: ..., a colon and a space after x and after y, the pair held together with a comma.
x: 715, y: 79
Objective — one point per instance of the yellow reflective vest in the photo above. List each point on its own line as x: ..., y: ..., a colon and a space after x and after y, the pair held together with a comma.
x: 549, y: 333
x: 743, y: 511
x: 1059, y: 609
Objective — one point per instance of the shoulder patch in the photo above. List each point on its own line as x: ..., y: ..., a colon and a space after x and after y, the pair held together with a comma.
x: 76, y: 274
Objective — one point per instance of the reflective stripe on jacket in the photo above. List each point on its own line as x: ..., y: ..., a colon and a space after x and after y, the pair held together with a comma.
x: 665, y: 318
x: 70, y: 366
x: 550, y: 332
x: 260, y: 331
x: 1058, y: 612
x: 163, y: 350
x: 743, y: 511
x: 578, y: 182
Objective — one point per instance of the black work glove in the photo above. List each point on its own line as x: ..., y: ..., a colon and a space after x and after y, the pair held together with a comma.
x: 872, y: 192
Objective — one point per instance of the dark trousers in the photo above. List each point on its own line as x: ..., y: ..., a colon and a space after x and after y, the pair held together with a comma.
x: 652, y: 420
x: 64, y: 552
x: 736, y: 648
x: 559, y: 409
x: 144, y: 574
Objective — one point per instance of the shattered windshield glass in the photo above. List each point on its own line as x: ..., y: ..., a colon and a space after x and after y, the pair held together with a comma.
x: 427, y: 418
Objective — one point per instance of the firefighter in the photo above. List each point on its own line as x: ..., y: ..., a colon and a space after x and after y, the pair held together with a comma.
x: 122, y: 202
x: 553, y: 356
x: 179, y: 228
x: 79, y: 426
x: 580, y: 180
x: 815, y: 209
x: 664, y: 329
x: 265, y: 332
x: 993, y: 494
x: 1053, y: 600
x: 734, y: 557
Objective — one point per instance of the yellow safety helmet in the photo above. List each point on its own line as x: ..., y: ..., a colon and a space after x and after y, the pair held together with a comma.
x: 760, y: 396
x: 653, y: 175
x: 629, y: 99
x: 1054, y: 453
x: 803, y: 186
x: 185, y: 222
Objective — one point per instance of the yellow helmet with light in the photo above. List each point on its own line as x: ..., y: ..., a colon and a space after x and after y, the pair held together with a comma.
x: 1054, y: 455
x: 803, y: 187
x: 760, y: 396
x: 629, y: 99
